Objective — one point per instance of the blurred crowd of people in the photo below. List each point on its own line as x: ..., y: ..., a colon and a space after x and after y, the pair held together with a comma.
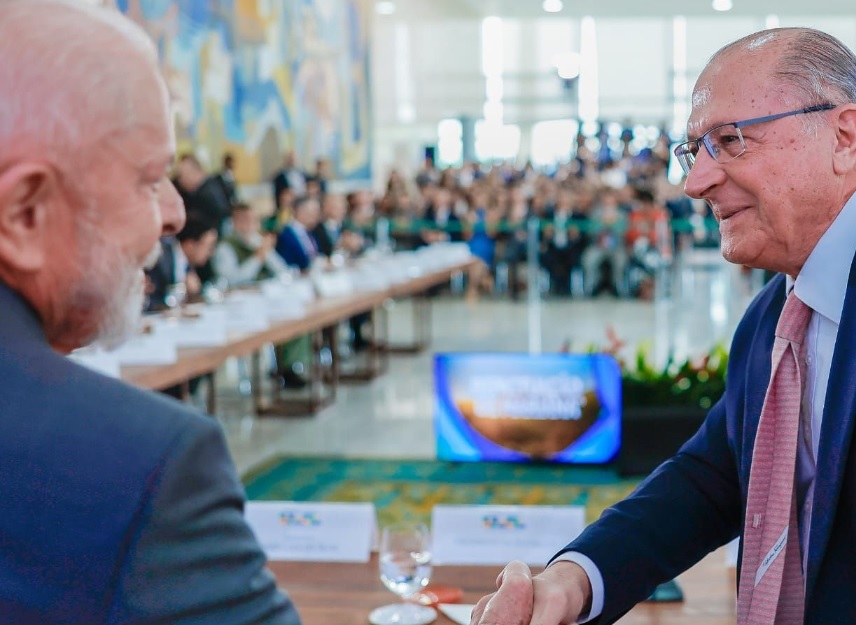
x: 606, y: 223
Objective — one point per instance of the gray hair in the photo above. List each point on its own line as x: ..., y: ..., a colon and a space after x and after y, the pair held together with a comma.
x: 817, y: 66
x: 67, y: 76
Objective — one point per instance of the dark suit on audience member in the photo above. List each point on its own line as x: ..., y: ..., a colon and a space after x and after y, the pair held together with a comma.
x: 226, y: 180
x: 702, y: 490
x: 163, y: 275
x: 289, y: 178
x: 120, y: 506
x: 296, y: 250
x: 450, y: 224
x: 326, y: 238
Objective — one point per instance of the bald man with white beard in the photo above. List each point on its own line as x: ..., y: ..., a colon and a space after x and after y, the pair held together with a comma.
x: 119, y: 505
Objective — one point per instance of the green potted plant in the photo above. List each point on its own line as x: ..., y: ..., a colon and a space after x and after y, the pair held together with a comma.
x: 662, y: 407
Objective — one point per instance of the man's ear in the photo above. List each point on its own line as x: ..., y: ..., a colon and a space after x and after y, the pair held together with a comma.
x: 844, y: 152
x: 26, y: 191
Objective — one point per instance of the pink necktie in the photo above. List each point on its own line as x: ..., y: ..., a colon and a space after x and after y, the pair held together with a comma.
x: 771, y: 576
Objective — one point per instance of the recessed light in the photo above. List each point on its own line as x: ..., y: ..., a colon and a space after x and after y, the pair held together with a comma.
x: 552, y: 6
x: 722, y: 5
x: 567, y: 65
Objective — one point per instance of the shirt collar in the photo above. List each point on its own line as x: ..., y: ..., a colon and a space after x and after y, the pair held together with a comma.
x: 822, y: 282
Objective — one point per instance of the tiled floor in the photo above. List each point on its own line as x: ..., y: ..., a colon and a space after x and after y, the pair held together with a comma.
x: 392, y: 415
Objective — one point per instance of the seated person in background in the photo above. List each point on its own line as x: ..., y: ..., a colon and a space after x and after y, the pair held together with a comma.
x: 649, y: 240
x: 360, y: 222
x: 188, y: 176
x: 289, y: 177
x: 440, y: 221
x: 328, y: 232
x: 295, y: 243
x: 564, y: 242
x: 246, y: 255
x: 182, y: 260
x: 609, y: 225
x: 512, y: 244
x: 331, y: 235
x: 226, y: 179
x: 282, y: 214
x: 482, y: 224
x: 188, y: 255
x: 120, y: 506
x: 211, y: 201
x: 201, y: 193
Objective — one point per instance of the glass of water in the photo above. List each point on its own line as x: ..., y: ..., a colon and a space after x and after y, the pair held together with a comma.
x: 405, y: 568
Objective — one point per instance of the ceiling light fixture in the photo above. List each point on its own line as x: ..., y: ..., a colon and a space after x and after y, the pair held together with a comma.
x: 722, y: 5
x: 567, y: 65
x: 552, y: 6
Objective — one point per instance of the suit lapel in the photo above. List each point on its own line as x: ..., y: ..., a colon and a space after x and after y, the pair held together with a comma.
x: 835, y: 434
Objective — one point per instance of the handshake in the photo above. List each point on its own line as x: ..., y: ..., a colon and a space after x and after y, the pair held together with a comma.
x: 557, y: 596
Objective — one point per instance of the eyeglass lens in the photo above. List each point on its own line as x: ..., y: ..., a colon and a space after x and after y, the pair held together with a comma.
x: 723, y: 143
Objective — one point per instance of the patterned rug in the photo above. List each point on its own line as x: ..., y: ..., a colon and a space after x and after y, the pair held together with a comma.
x: 403, y: 489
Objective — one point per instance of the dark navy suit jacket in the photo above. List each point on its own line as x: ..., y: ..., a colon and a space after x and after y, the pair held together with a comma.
x: 117, y: 505
x: 695, y: 502
x: 292, y: 250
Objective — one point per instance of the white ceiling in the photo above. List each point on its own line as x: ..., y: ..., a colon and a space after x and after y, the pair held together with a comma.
x: 616, y: 8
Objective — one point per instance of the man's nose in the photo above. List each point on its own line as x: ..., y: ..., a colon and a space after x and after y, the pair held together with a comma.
x: 172, y: 209
x: 705, y: 174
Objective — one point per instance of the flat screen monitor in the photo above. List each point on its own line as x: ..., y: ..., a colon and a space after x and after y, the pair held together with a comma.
x: 520, y: 408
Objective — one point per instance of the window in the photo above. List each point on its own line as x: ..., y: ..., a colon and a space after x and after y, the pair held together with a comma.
x: 496, y: 141
x: 553, y: 141
x: 450, y: 143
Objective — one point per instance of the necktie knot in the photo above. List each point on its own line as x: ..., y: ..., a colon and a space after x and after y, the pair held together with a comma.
x: 794, y: 320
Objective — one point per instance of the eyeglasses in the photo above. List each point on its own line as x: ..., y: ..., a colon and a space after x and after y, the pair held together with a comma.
x: 725, y: 142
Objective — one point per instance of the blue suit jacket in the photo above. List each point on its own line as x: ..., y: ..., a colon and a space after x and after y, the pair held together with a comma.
x: 695, y: 502
x: 288, y: 246
x: 118, y: 505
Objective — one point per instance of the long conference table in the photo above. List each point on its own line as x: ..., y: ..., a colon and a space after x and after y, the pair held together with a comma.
x: 320, y: 314
x: 345, y: 594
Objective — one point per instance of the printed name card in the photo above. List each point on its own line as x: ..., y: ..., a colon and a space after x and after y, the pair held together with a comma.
x: 313, y: 532
x: 498, y: 534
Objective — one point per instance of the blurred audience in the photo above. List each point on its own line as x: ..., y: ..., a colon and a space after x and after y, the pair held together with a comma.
x: 247, y: 255
x: 608, y: 219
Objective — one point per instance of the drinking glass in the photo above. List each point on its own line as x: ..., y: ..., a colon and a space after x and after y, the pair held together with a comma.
x: 405, y: 567
x: 176, y: 295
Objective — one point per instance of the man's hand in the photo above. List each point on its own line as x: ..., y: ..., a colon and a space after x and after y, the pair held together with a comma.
x: 267, y: 244
x: 555, y: 597
x: 192, y: 283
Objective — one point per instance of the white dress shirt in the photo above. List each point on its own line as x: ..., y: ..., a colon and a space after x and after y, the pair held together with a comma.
x: 822, y: 285
x: 227, y: 265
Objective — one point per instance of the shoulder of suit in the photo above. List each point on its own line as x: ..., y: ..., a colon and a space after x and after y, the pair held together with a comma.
x: 116, y: 404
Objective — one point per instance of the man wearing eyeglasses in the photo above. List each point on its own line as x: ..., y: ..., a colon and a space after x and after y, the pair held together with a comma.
x: 772, y: 149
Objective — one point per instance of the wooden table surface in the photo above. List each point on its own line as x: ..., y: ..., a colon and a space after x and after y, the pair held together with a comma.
x: 345, y: 594
x: 320, y: 313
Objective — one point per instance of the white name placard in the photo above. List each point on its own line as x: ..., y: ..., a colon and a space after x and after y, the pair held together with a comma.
x: 498, y: 534
x: 313, y: 532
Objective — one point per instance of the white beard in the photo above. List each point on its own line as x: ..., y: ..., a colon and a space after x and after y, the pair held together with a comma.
x: 112, y: 287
